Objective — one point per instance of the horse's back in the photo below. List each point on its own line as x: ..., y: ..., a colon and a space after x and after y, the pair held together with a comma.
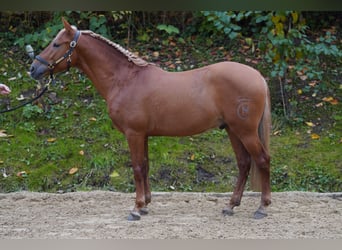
x: 237, y: 75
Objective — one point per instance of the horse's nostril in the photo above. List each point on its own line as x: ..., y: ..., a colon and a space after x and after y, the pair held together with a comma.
x: 32, y: 69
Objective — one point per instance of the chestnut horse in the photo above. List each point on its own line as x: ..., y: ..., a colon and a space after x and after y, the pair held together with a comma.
x: 143, y: 100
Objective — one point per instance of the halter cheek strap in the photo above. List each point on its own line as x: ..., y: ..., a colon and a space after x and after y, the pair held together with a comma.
x: 66, y: 56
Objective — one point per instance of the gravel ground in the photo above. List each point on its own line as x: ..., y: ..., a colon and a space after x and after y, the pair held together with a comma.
x: 103, y: 215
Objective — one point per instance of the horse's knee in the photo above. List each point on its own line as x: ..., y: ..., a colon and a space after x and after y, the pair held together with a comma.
x: 138, y: 173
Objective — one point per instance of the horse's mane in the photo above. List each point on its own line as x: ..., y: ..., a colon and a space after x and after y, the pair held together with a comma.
x: 130, y: 56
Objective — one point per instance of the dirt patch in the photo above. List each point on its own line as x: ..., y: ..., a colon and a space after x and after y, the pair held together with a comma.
x: 100, y: 215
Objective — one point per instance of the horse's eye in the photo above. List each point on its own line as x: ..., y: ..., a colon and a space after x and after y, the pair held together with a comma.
x: 56, y: 45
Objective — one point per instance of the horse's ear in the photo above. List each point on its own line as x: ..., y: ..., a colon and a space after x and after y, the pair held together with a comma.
x: 67, y: 25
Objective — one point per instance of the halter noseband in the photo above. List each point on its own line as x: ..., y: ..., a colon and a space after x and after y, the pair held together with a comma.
x: 66, y: 56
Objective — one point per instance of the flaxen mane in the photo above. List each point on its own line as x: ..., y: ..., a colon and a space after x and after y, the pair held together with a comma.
x: 130, y: 56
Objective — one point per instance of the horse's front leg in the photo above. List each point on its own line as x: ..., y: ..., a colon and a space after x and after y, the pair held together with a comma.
x: 137, y: 148
x: 147, y: 189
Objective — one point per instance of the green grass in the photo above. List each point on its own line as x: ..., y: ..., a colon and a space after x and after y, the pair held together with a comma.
x: 60, y: 133
x: 301, y: 163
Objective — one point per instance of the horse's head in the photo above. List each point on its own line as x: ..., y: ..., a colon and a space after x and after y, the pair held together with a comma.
x: 58, y: 56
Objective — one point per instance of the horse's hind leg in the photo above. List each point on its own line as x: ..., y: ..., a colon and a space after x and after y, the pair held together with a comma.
x: 244, y: 163
x: 262, y: 161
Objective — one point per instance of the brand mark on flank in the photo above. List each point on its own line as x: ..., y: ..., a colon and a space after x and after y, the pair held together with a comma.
x: 243, y: 108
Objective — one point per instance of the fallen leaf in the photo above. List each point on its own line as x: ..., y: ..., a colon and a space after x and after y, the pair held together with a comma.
x: 172, y: 66
x: 313, y: 83
x: 93, y: 119
x: 278, y: 132
x: 20, y: 98
x: 315, y: 136
x: 73, y: 170
x: 328, y: 99
x: 155, y: 54
x: 310, y: 124
x: 22, y: 174
x: 51, y: 139
x: 178, y: 53
x: 3, y: 133
x: 192, y: 157
x: 334, y: 102
x: 303, y: 77
x: 331, y: 100
x: 114, y: 174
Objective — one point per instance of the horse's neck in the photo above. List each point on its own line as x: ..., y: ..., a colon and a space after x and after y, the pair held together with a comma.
x: 107, y: 69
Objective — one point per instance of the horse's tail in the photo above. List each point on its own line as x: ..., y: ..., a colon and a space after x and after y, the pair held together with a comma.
x: 264, y: 131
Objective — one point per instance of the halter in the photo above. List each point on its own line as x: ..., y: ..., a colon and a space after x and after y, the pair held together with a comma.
x: 66, y: 56
x: 51, y: 67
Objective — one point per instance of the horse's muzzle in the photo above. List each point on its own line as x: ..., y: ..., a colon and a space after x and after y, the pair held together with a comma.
x: 38, y: 70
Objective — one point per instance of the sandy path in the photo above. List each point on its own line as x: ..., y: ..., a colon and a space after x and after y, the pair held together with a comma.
x: 100, y: 215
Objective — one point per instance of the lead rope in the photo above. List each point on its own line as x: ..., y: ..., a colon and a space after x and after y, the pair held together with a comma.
x: 46, y: 87
x: 51, y: 67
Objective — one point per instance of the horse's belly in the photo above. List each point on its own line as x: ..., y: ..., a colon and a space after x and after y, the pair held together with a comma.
x: 184, y: 123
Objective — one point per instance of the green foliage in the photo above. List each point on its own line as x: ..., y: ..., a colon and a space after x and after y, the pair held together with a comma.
x: 289, y: 50
x: 31, y: 111
x: 98, y: 24
x: 282, y: 38
x: 95, y: 21
x: 42, y: 37
x: 288, y: 43
x: 169, y: 29
x: 227, y: 22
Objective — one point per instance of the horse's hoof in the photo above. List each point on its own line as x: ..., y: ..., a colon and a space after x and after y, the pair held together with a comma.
x: 228, y: 211
x: 260, y: 214
x: 143, y: 211
x: 134, y: 216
